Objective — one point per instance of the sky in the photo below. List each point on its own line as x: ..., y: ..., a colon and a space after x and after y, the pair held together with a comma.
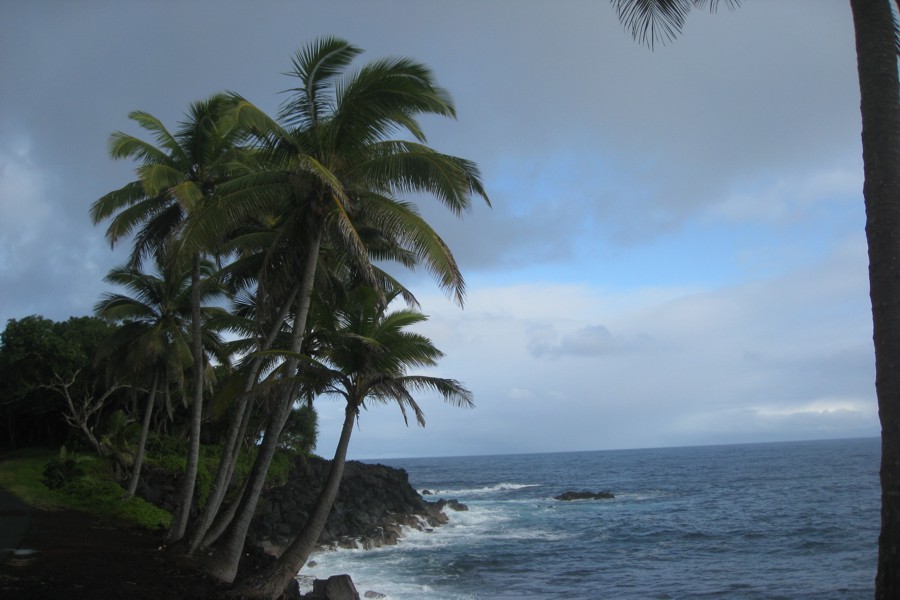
x: 675, y: 253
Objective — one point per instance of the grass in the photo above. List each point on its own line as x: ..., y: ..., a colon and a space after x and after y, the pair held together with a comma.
x: 94, y: 490
x: 21, y: 474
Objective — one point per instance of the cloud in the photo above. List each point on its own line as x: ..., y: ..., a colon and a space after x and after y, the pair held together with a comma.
x: 52, y: 261
x: 793, y: 197
x: 821, y: 418
x: 588, y: 341
x: 23, y: 198
x: 519, y: 394
x: 784, y: 357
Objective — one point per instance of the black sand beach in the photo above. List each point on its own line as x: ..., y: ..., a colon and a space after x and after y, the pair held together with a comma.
x: 76, y: 556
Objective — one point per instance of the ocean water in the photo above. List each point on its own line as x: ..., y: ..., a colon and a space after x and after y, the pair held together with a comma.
x: 782, y: 520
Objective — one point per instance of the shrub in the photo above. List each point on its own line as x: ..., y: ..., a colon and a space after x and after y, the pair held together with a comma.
x: 63, y: 470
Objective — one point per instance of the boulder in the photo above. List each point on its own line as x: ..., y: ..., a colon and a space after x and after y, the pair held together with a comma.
x: 336, y: 587
x: 451, y: 504
x: 570, y: 495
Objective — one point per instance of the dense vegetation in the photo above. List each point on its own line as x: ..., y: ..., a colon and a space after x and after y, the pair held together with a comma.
x: 257, y: 282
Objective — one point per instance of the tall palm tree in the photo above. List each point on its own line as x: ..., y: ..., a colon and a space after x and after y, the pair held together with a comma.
x: 365, y: 359
x: 336, y: 157
x: 258, y: 276
x: 154, y: 337
x: 176, y: 177
x: 259, y: 334
x: 876, y: 52
x: 876, y: 28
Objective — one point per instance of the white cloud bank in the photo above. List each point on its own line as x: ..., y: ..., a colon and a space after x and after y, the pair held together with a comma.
x: 569, y: 367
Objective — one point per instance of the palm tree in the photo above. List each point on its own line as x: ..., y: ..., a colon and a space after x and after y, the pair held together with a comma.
x: 876, y: 29
x: 259, y: 334
x: 264, y: 264
x: 154, y: 336
x: 175, y: 178
x: 365, y: 359
x: 876, y: 52
x: 336, y: 159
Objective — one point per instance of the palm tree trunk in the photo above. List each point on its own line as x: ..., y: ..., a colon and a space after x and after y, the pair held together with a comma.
x: 223, y: 520
x: 273, y: 581
x: 223, y: 562
x: 180, y: 519
x: 224, y: 473
x: 169, y: 409
x: 236, y: 430
x: 876, y: 55
x: 142, y: 442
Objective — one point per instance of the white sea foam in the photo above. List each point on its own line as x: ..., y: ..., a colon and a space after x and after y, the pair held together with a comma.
x: 383, y: 570
x: 392, y: 570
x: 488, y: 489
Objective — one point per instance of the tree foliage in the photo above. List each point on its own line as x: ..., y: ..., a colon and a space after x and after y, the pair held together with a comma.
x: 35, y: 352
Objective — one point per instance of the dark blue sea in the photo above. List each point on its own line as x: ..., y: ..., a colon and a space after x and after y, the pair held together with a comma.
x: 781, y: 520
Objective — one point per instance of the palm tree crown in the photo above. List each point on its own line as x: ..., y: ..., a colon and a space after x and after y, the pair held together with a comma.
x: 370, y: 351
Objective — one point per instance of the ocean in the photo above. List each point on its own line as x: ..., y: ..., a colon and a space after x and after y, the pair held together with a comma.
x: 776, y: 520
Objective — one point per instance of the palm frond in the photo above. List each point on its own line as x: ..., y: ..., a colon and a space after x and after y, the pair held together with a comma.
x: 109, y: 203
x: 165, y: 139
x: 410, y: 230
x: 384, y: 97
x: 660, y: 21
x: 316, y: 66
x: 133, y: 215
x: 410, y: 167
x: 122, y: 145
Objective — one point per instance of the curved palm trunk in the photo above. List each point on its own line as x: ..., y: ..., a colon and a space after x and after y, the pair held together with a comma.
x: 224, y: 517
x: 224, y: 474
x: 223, y: 520
x: 223, y: 563
x: 231, y: 446
x: 273, y: 581
x: 142, y: 442
x: 180, y: 520
x: 169, y: 417
x: 880, y: 107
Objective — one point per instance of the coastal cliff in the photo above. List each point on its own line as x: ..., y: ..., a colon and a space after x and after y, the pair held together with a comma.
x: 373, y: 503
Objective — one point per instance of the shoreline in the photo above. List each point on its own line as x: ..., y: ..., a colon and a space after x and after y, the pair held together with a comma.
x: 72, y: 554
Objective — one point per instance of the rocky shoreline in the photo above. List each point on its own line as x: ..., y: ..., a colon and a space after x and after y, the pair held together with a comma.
x: 76, y: 555
x: 374, y: 503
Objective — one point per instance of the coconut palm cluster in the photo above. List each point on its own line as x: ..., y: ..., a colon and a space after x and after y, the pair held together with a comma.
x: 260, y: 276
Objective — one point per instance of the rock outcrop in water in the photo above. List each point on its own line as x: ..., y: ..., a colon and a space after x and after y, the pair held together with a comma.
x: 569, y: 496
